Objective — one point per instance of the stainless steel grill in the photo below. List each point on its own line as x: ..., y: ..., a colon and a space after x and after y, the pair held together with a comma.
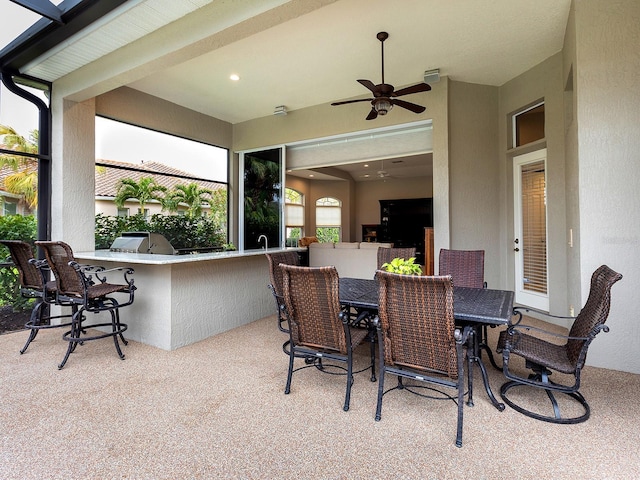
x: 142, y: 242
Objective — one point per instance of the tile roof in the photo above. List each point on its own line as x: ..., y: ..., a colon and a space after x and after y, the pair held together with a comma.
x: 6, y: 171
x: 107, y: 178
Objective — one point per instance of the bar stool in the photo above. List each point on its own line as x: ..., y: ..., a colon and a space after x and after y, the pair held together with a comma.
x: 85, y: 287
x: 34, y: 283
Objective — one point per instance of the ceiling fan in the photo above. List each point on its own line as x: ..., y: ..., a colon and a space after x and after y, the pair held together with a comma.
x: 382, y: 173
x: 384, y: 95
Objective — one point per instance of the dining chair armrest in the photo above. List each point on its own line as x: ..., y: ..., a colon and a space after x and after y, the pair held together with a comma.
x: 520, y: 309
x: 89, y: 272
x: 514, y: 330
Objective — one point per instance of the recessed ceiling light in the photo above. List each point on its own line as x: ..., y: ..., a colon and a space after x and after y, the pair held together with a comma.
x: 235, y: 77
x: 366, y: 164
x: 311, y: 175
x: 366, y: 175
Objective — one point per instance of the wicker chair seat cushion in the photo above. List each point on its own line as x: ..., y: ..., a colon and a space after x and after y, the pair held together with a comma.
x: 104, y: 289
x: 357, y: 336
x: 538, y: 351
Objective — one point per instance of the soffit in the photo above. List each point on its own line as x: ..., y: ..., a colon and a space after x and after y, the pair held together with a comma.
x: 308, y: 52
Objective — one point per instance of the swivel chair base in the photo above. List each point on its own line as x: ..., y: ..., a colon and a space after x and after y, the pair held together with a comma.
x: 557, y: 416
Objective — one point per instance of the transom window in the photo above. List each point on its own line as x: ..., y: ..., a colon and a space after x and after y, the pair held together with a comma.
x: 528, y: 125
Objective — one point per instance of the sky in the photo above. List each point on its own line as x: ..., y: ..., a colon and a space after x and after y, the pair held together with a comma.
x: 114, y: 140
x: 127, y: 143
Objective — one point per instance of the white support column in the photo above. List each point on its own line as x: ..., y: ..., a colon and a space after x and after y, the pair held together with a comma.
x: 73, y: 177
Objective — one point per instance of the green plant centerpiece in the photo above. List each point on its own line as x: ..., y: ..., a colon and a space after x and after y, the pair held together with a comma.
x: 402, y: 266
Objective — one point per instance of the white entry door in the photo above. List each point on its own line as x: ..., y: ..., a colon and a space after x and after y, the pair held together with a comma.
x: 530, y: 239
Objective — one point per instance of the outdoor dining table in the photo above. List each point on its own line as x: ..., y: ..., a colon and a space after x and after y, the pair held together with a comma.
x: 476, y: 307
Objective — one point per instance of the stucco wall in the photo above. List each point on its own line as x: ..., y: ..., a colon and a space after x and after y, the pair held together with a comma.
x: 474, y: 175
x: 608, y: 111
x: 73, y: 167
x: 542, y: 82
x: 132, y: 106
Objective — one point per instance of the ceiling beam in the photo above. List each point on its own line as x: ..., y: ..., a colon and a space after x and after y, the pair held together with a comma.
x: 42, y: 7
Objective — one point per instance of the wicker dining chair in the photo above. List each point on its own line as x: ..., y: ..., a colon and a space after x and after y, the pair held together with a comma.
x: 543, y: 356
x: 386, y: 254
x: 34, y: 283
x: 418, y: 339
x: 275, y: 275
x: 466, y: 267
x: 319, y: 330
x: 86, y: 288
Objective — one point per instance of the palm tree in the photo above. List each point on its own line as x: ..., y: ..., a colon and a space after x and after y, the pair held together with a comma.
x: 24, y: 181
x: 192, y: 195
x: 145, y: 190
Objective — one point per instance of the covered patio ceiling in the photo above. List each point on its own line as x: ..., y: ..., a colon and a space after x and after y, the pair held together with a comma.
x: 296, y: 53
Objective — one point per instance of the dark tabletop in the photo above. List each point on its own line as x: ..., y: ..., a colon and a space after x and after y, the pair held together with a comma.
x: 477, y: 305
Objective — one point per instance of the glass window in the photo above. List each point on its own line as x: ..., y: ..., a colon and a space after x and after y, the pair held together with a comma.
x: 328, y: 219
x: 528, y: 125
x: 294, y: 216
x: 262, y: 190
x: 24, y: 204
x: 9, y: 208
x: 123, y: 212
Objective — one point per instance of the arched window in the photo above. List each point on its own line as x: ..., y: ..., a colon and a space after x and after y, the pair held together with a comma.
x: 328, y: 219
x: 293, y: 216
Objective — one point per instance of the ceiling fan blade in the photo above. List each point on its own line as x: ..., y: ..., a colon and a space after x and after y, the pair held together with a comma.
x: 370, y: 85
x: 372, y: 114
x: 420, y: 87
x: 352, y: 101
x: 408, y: 105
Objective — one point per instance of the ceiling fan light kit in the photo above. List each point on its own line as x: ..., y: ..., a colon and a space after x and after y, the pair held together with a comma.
x: 382, y: 106
x: 385, y: 95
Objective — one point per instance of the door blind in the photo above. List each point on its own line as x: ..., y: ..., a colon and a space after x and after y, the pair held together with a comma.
x: 534, y: 227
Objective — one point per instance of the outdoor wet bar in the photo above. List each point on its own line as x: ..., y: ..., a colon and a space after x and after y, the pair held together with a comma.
x: 182, y: 299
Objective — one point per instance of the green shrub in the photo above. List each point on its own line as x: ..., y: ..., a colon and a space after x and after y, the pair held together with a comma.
x: 15, y: 227
x: 181, y: 231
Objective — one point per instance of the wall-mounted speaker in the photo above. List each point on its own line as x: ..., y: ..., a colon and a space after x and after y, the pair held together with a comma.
x: 432, y: 76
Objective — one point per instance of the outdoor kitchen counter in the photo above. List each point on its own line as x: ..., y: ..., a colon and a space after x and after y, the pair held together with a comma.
x: 182, y: 299
x: 155, y: 259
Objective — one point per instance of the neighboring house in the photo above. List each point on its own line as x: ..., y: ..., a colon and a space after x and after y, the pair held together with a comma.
x: 109, y: 173
x: 11, y: 203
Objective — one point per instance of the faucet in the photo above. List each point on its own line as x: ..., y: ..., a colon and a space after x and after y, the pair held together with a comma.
x: 266, y: 242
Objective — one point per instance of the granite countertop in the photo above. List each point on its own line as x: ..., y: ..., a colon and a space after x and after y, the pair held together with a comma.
x: 155, y: 259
